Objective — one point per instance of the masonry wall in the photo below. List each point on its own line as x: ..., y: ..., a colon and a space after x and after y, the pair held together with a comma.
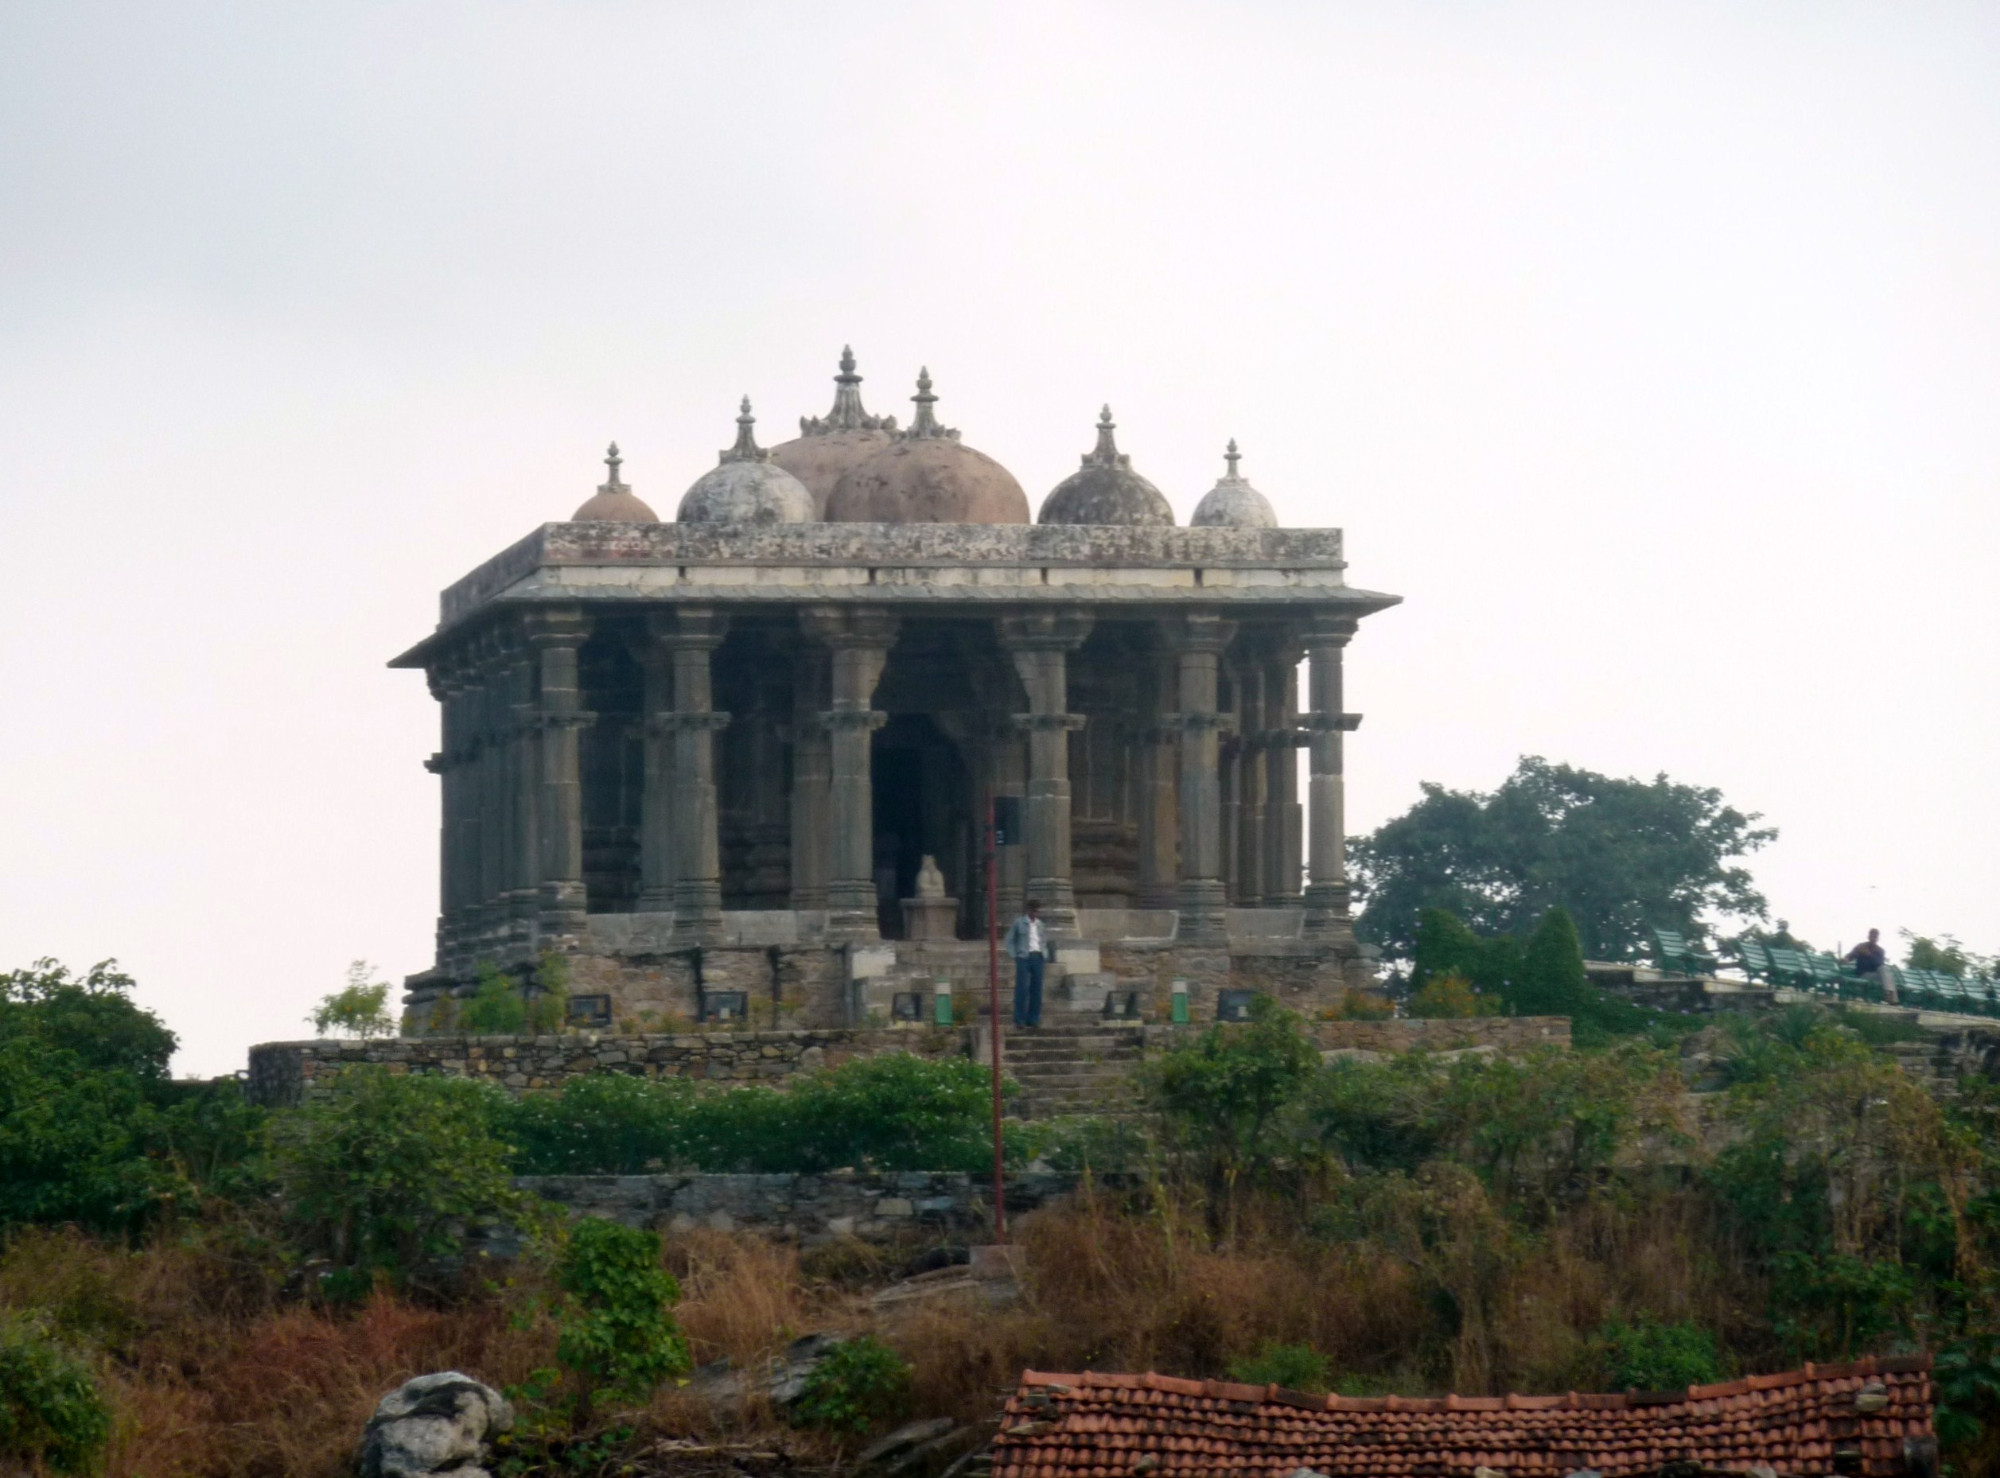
x: 286, y: 1073
x: 885, y: 1207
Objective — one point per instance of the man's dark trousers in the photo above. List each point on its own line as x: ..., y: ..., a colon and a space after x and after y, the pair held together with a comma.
x: 1028, y: 990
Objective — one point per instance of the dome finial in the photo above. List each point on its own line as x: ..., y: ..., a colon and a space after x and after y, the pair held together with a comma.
x: 1232, y: 457
x: 925, y: 423
x: 746, y: 448
x: 614, y: 462
x: 847, y: 413
x: 1105, y: 452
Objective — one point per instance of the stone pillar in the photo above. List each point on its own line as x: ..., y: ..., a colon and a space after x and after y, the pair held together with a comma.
x: 556, y: 633
x: 1157, y: 799
x: 1040, y: 645
x: 1198, y: 641
x: 1250, y: 771
x: 485, y: 911
x: 520, y: 827
x: 860, y: 641
x: 656, y: 801
x: 690, y: 635
x: 1283, y: 823
x: 812, y: 773
x: 448, y: 764
x: 1326, y: 888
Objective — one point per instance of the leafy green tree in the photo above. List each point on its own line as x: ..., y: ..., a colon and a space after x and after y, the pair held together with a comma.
x: 51, y: 1414
x: 1622, y: 856
x: 384, y: 1173
x: 1296, y: 1367
x: 1551, y: 980
x: 90, y: 1016
x: 358, y: 1009
x: 497, y: 1006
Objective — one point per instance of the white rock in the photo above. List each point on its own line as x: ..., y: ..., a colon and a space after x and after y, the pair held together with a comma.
x: 435, y: 1423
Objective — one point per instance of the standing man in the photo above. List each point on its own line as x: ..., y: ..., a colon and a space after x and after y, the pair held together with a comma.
x: 1028, y: 943
x: 1868, y: 959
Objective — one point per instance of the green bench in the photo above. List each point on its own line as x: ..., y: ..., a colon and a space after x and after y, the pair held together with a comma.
x: 1673, y: 953
x: 1788, y: 967
x: 1753, y: 959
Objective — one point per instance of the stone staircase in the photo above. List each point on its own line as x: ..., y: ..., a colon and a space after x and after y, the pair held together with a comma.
x: 1072, y: 1067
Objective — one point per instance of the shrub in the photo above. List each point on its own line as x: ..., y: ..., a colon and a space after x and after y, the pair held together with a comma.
x: 603, y: 1124
x: 860, y: 1382
x: 50, y: 1409
x: 73, y: 1141
x: 1647, y: 1355
x: 1296, y: 1367
x: 1359, y: 1005
x: 496, y: 1008
x: 619, y: 1339
x: 894, y: 1112
x: 1450, y: 997
x: 382, y: 1174
x: 1221, y: 1096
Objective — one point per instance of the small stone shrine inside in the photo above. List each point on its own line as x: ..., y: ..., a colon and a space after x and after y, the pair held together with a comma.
x: 737, y: 765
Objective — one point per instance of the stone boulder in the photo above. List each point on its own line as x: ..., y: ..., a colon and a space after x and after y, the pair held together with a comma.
x: 438, y: 1423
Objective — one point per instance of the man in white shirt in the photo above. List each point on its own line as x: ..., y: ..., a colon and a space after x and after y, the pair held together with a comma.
x: 1028, y: 943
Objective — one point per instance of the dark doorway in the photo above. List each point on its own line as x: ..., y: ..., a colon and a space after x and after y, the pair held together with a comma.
x: 922, y: 806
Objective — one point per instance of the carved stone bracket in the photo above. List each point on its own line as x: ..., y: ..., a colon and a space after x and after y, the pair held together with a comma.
x: 1324, y: 723
x: 675, y: 723
x: 1027, y: 722
x: 853, y: 718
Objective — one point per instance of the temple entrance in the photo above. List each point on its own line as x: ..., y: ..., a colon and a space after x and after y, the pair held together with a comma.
x: 922, y: 807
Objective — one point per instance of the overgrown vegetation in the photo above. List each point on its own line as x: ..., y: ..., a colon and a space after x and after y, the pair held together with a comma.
x: 1546, y: 1221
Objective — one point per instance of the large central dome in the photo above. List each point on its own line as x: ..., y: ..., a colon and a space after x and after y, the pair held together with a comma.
x: 927, y: 475
x: 831, y: 445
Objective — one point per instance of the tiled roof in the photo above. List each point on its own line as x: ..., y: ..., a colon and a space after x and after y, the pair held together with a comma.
x: 1851, y: 1419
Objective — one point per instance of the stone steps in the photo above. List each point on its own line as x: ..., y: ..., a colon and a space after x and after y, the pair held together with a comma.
x: 1071, y: 1067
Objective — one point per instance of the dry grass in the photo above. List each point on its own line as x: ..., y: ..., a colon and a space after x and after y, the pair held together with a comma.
x: 214, y: 1374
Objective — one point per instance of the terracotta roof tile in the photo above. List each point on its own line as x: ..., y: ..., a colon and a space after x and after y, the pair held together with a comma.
x: 1097, y: 1425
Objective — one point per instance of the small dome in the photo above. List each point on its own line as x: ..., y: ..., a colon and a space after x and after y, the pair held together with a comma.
x: 1105, y: 490
x: 1232, y: 503
x: 830, y: 445
x: 926, y: 475
x: 746, y: 486
x: 614, y: 503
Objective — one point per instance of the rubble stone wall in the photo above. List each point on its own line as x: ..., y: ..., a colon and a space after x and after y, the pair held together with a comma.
x: 286, y: 1073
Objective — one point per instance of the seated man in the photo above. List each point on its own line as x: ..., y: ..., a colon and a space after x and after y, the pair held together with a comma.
x: 1868, y: 958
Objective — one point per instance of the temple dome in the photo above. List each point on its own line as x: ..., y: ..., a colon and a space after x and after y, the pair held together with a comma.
x: 830, y: 445
x: 1105, y: 490
x: 926, y: 475
x: 746, y: 486
x: 1232, y: 503
x: 614, y: 502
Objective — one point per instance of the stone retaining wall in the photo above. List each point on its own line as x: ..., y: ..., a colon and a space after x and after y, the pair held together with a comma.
x: 284, y: 1073
x: 807, y: 1209
x: 287, y: 1073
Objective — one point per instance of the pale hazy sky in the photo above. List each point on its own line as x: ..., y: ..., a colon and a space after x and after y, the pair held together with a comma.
x: 1652, y: 352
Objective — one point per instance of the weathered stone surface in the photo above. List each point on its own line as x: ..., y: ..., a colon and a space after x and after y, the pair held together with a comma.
x: 438, y: 1423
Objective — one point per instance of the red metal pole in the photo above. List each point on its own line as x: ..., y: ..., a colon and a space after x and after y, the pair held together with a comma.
x: 993, y: 1007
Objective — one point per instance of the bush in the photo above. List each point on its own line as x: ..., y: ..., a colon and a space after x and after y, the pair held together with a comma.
x: 619, y: 1339
x: 50, y: 1409
x: 894, y: 1112
x: 1296, y: 1367
x: 496, y: 1008
x: 860, y: 1382
x: 1450, y: 997
x: 384, y: 1173
x: 1647, y: 1355
x: 1221, y: 1096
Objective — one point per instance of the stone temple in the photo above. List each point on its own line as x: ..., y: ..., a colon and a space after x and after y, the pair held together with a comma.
x: 738, y: 764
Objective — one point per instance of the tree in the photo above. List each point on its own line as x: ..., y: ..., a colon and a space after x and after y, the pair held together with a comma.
x: 90, y: 1015
x: 359, y: 1009
x: 1622, y: 856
